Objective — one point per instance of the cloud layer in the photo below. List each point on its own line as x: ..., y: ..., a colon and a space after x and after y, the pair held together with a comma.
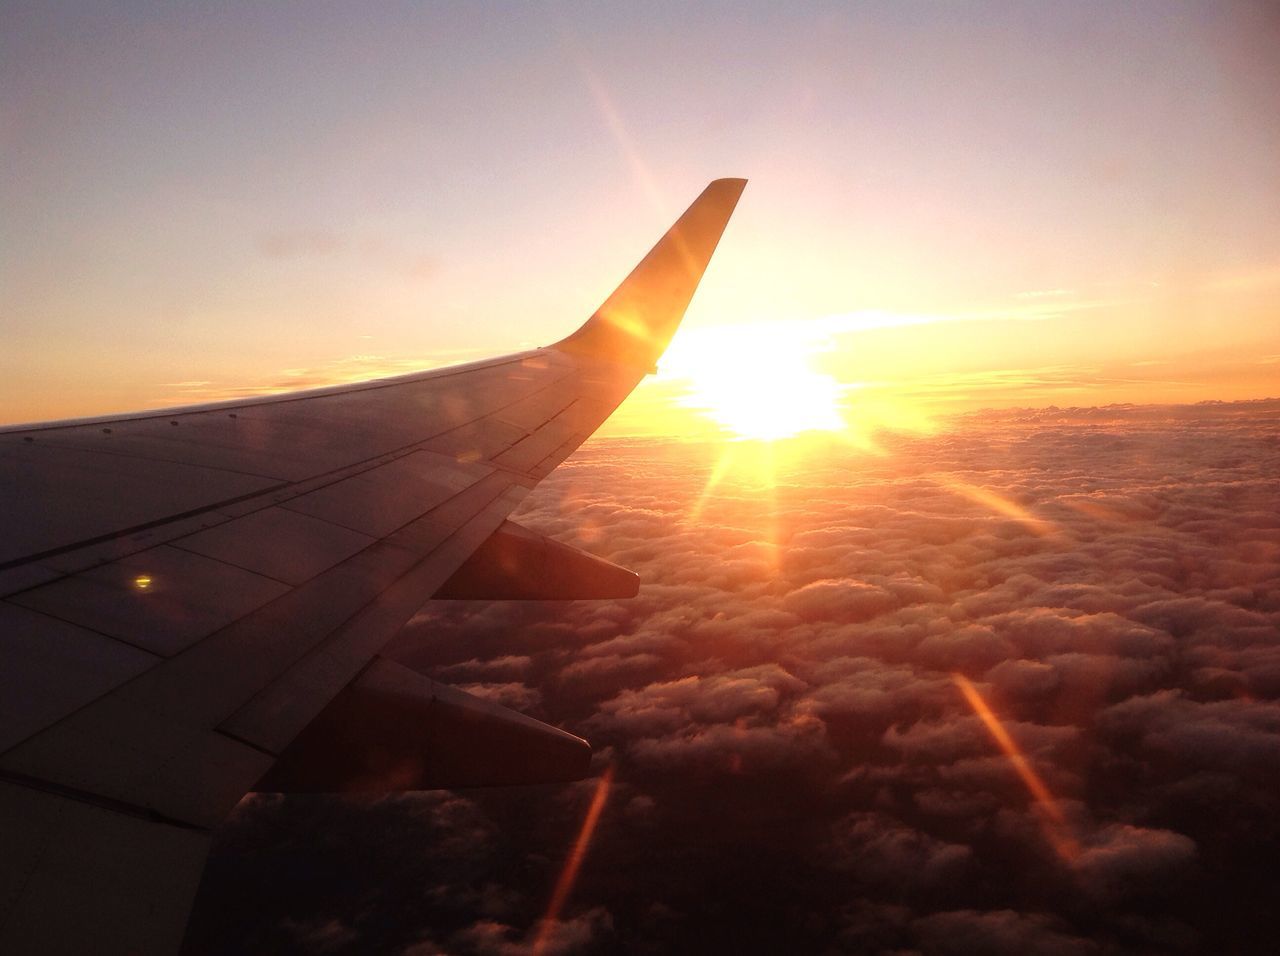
x: 798, y: 766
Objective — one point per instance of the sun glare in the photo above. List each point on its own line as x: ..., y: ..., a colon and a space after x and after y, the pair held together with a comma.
x: 757, y: 382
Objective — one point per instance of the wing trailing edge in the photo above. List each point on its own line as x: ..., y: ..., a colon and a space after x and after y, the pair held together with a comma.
x: 81, y: 877
x: 636, y: 322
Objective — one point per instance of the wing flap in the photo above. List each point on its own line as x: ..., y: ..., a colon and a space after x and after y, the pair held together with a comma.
x: 77, y: 878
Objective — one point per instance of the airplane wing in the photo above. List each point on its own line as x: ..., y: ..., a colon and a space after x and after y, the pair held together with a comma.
x: 193, y: 601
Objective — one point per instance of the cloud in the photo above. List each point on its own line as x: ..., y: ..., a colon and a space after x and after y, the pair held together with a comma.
x: 840, y: 600
x: 488, y: 937
x: 599, y: 666
x: 723, y: 698
x: 509, y: 666
x: 999, y: 933
x: 1241, y: 736
x: 741, y: 747
x: 320, y: 936
x: 509, y: 694
x: 1042, y: 293
x: 881, y: 851
x: 1122, y: 859
x: 338, y: 371
x: 796, y: 768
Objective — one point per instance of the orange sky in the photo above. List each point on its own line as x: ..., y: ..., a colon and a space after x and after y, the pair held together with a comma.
x: 993, y: 205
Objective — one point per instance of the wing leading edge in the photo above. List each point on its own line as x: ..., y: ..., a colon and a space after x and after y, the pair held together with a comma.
x: 184, y: 593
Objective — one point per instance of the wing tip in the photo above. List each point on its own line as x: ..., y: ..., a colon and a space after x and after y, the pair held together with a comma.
x: 636, y: 322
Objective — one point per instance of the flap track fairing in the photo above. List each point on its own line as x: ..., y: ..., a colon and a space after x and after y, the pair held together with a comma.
x: 394, y: 729
x: 516, y: 564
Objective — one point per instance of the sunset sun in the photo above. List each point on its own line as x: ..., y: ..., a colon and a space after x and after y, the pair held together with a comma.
x: 757, y: 382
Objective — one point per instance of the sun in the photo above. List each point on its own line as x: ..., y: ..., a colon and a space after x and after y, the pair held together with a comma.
x: 755, y: 381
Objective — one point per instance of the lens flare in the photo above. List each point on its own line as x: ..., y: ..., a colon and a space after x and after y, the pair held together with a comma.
x: 564, y: 885
x: 1053, y: 820
x: 1010, y: 509
x: 722, y: 466
x: 753, y: 469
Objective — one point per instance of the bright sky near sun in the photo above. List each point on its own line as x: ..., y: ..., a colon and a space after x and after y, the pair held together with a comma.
x: 950, y: 205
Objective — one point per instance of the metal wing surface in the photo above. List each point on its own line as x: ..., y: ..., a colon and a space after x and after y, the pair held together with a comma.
x: 193, y: 601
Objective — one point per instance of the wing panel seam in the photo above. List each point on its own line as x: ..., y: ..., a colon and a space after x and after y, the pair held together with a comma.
x: 97, y: 800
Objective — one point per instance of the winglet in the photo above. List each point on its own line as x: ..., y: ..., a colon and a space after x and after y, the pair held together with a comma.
x: 635, y: 323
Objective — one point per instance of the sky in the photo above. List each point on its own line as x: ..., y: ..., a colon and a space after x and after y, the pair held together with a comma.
x: 1037, y: 203
x: 954, y: 500
x: 1009, y: 689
